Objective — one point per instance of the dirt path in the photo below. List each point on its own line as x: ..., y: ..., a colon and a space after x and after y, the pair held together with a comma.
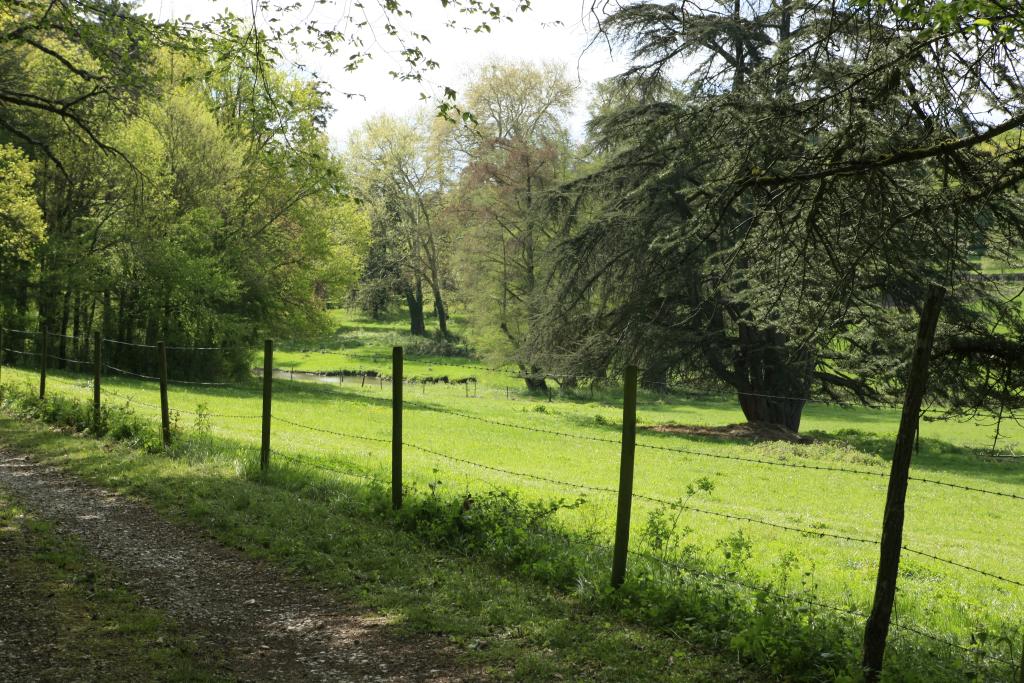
x: 269, y: 627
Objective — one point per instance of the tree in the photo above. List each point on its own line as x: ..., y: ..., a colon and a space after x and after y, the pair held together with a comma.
x: 21, y: 224
x: 404, y: 181
x: 98, y: 50
x: 771, y: 220
x: 515, y: 154
x: 222, y: 217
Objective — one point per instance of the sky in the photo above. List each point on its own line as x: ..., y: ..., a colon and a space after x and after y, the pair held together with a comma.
x: 553, y: 30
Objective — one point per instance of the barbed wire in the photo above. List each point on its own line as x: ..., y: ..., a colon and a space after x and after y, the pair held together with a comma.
x: 753, y: 520
x: 585, y: 487
x: 964, y: 487
x: 524, y: 475
x: 425, y: 361
x: 724, y: 515
x: 23, y: 353
x: 954, y: 563
x: 328, y: 431
x: 722, y: 456
x: 207, y: 384
x: 77, y: 385
x: 823, y: 534
x: 319, y: 466
x: 174, y: 348
x: 131, y: 399
x: 204, y: 348
x: 757, y: 588
x: 513, y: 425
x: 65, y: 336
x: 135, y: 401
x: 68, y: 360
x: 130, y: 373
x: 606, y: 490
x: 899, y: 625
x: 16, y: 331
x: 124, y: 343
x: 680, y: 388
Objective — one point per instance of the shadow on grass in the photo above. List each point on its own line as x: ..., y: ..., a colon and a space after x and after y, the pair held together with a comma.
x: 968, y: 464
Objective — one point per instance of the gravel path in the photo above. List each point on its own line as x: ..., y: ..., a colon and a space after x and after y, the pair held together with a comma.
x: 268, y: 626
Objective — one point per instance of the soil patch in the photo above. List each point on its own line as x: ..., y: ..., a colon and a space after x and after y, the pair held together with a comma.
x: 747, y: 431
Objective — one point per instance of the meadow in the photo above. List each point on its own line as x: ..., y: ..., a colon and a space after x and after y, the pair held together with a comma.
x: 801, y: 518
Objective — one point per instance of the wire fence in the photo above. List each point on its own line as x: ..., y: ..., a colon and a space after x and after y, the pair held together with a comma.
x: 818, y: 531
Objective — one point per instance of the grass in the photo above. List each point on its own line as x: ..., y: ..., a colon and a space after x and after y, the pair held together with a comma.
x: 83, y: 625
x: 336, y: 532
x: 966, y: 527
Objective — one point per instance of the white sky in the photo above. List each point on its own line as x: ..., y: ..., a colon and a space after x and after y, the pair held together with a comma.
x: 534, y: 35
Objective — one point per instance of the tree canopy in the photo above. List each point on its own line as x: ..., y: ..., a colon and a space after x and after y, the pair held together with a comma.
x: 771, y: 218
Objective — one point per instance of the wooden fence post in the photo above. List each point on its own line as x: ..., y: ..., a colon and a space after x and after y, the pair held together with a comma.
x: 396, y: 427
x: 42, y: 366
x: 876, y: 630
x: 1022, y: 663
x: 165, y: 410
x: 625, y: 477
x: 97, y: 365
x: 268, y: 384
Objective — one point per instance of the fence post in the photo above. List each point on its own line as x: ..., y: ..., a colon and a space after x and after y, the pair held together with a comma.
x: 42, y: 366
x: 268, y: 384
x: 165, y: 411
x: 97, y: 364
x: 2, y: 352
x: 396, y: 427
x: 625, y: 508
x: 876, y: 631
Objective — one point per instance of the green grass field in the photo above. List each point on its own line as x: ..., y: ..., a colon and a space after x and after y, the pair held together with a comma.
x: 971, y: 528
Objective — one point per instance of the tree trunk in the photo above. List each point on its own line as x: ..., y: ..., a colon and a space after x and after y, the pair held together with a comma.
x: 440, y: 310
x: 654, y: 378
x: 534, y: 378
x: 76, y: 324
x: 782, y: 412
x: 773, y: 380
x: 62, y: 349
x: 417, y: 323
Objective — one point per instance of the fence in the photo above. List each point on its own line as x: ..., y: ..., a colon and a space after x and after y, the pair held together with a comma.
x: 619, y: 555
